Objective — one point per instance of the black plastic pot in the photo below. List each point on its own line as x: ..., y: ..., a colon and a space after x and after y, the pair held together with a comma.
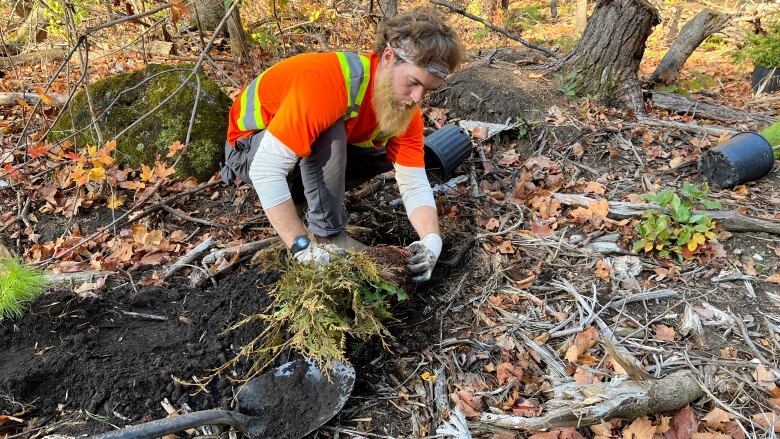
x: 446, y: 149
x: 769, y: 77
x: 745, y: 157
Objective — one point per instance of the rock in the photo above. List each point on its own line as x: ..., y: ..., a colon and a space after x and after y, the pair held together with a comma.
x: 129, y: 96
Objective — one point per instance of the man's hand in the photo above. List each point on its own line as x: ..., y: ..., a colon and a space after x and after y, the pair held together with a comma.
x: 425, y: 253
x: 319, y: 254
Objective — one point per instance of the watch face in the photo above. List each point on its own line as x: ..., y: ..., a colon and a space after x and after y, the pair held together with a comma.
x: 302, y: 241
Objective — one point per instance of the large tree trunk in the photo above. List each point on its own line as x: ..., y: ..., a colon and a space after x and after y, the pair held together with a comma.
x: 704, y: 24
x: 554, y: 9
x: 389, y: 8
x: 209, y: 12
x: 606, y: 59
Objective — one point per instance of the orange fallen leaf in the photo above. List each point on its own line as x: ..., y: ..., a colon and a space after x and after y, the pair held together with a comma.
x: 506, y: 372
x: 603, y: 270
x: 765, y: 378
x: 470, y: 405
x: 582, y: 342
x: 641, y: 428
x: 683, y: 424
x: 558, y: 433
x: 594, y: 187
x: 492, y: 225
x: 716, y: 417
x: 775, y: 278
x: 663, y: 332
x: 174, y: 147
x: 46, y: 99
x: 506, y: 248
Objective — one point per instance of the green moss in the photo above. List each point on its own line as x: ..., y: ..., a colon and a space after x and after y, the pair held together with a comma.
x: 772, y: 134
x: 129, y: 96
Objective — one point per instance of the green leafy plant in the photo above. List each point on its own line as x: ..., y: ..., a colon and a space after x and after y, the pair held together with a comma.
x: 772, y: 134
x: 19, y: 285
x: 676, y: 228
x: 762, y: 49
x: 518, y: 19
x: 567, y: 83
x: 699, y: 82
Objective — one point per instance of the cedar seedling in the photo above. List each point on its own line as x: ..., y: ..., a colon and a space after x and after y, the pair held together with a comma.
x: 19, y: 285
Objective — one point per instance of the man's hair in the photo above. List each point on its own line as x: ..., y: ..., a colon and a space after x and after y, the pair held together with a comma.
x: 432, y: 40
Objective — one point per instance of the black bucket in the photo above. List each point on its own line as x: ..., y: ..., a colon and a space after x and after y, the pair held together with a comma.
x: 446, y: 149
x: 745, y: 157
x: 768, y: 77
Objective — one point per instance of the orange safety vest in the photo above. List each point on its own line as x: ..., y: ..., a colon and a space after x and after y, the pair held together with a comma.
x: 308, y: 81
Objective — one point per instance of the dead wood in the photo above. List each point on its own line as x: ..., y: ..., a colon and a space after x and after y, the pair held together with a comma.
x: 42, y: 56
x: 462, y: 11
x: 705, y: 109
x: 704, y: 24
x: 190, y: 257
x: 688, y: 127
x: 577, y: 405
x: 243, y: 249
x: 69, y: 280
x: 11, y: 98
x: 730, y: 220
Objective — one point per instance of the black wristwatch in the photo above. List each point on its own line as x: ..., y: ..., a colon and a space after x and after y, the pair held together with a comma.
x: 300, y: 243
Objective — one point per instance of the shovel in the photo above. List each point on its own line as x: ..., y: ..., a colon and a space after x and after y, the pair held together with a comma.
x: 288, y: 402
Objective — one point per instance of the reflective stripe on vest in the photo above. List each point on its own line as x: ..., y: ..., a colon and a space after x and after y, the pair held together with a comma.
x: 251, y: 118
x: 354, y: 68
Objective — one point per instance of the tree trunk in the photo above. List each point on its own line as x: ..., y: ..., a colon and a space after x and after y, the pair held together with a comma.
x: 581, y: 16
x: 704, y: 24
x: 210, y: 13
x: 554, y: 8
x: 33, y: 30
x: 389, y: 8
x: 674, y: 23
x: 238, y: 44
x: 606, y: 59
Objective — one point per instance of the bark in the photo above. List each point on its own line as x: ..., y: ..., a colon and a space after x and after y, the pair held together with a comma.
x: 730, y: 220
x: 704, y: 109
x: 209, y: 12
x: 389, y: 8
x: 238, y: 45
x: 12, y: 98
x: 43, y: 56
x: 674, y: 24
x: 578, y: 405
x: 605, y: 61
x: 581, y: 15
x: 554, y: 8
x: 704, y: 24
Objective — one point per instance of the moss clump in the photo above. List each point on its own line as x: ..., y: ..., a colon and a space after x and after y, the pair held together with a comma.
x: 125, y: 98
x: 317, y: 307
x: 19, y: 285
x: 772, y: 134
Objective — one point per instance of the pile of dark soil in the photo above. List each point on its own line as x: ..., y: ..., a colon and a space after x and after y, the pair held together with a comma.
x: 93, y: 355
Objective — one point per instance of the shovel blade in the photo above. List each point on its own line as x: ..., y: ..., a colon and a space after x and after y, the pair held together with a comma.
x: 296, y: 398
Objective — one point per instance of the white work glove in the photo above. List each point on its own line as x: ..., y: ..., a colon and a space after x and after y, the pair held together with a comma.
x: 425, y: 253
x: 318, y: 254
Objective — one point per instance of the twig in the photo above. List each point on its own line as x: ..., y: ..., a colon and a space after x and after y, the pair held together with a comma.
x: 93, y: 29
x: 649, y: 295
x: 141, y: 315
x: 249, y: 247
x: 744, y: 332
x: 191, y: 255
x: 502, y: 31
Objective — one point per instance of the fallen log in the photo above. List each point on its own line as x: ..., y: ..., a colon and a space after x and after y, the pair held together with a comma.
x: 703, y: 109
x: 43, y: 56
x: 11, y: 98
x: 688, y: 127
x: 190, y: 257
x: 578, y: 405
x: 730, y: 220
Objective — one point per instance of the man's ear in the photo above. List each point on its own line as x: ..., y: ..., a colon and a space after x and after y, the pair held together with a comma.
x: 388, y: 55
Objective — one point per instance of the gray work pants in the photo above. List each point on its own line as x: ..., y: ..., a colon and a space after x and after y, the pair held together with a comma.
x: 321, y: 179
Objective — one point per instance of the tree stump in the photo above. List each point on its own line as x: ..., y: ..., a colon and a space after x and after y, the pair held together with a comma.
x: 704, y: 24
x: 606, y: 59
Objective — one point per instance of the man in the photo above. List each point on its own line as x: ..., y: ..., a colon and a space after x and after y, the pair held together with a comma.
x: 327, y: 122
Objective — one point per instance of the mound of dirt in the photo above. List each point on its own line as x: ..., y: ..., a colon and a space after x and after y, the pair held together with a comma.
x: 98, y: 356
x: 495, y: 94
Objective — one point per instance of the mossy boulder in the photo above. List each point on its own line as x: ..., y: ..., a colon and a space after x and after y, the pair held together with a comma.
x: 125, y: 98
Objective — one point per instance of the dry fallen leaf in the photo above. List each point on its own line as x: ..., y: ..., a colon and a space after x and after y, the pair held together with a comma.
x: 765, y: 378
x: 470, y: 405
x: 506, y: 372
x: 174, y: 147
x: 603, y: 270
x: 663, y: 332
x: 775, y: 278
x: 601, y: 431
x: 716, y: 417
x: 506, y: 248
x: 558, y: 433
x: 641, y: 428
x: 594, y: 187
x: 683, y: 424
x: 582, y: 342
x: 768, y: 420
x: 492, y: 225
x: 710, y: 435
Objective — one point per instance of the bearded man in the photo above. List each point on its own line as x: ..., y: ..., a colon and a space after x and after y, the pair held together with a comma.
x: 315, y: 125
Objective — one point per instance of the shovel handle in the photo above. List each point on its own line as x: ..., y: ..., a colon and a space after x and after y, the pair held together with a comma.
x: 162, y: 427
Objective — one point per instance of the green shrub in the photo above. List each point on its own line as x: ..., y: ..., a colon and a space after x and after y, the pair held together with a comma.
x: 762, y: 49
x: 772, y: 134
x: 19, y: 285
